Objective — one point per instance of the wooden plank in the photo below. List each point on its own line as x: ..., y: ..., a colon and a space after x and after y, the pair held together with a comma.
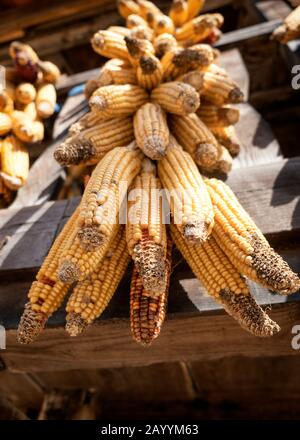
x: 191, y: 337
x: 163, y: 382
x: 247, y: 33
x: 72, y: 110
x: 22, y: 390
x: 232, y: 61
x: 273, y: 9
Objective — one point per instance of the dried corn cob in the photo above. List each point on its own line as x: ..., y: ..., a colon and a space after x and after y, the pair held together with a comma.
x: 290, y: 29
x: 149, y: 72
x: 179, y: 12
x: 142, y: 33
x: 6, y: 102
x: 190, y: 203
x: 145, y: 231
x: 86, y: 121
x: 113, y: 72
x: 163, y: 43
x: 47, y: 292
x: 117, y: 100
x: 245, y: 245
x: 198, y: 29
x: 179, y: 60
x: 25, y: 129
x: 25, y: 60
x: 227, y: 136
x: 134, y: 20
x: 225, y: 284
x: 30, y: 111
x: 163, y: 24
x: 91, y: 296
x: 194, y: 78
x: 148, y: 11
x: 220, y: 90
x: 224, y: 163
x: 147, y: 312
x: 50, y: 71
x: 25, y: 93
x: 90, y: 145
x: 124, y: 32
x: 101, y: 200
x: 14, y: 163
x: 214, y: 116
x: 45, y: 101
x: 137, y: 48
x: 109, y: 44
x: 197, y: 139
x: 176, y: 97
x: 194, y: 7
x: 127, y: 7
x: 5, y: 123
x: 151, y: 130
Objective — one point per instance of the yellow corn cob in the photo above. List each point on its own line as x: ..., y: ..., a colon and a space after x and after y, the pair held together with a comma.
x: 190, y: 203
x: 163, y: 24
x: 227, y: 136
x: 25, y: 93
x: 216, y: 70
x: 92, y: 144
x: 194, y: 78
x: 25, y: 129
x: 148, y: 11
x: 224, y: 163
x: 198, y: 29
x: 16, y: 47
x: 5, y: 123
x: 45, y: 101
x: 137, y: 48
x: 109, y: 44
x: 14, y: 163
x: 101, y: 199
x: 121, y: 30
x: 151, y: 130
x: 149, y: 72
x: 115, y: 73
x: 176, y: 97
x: 50, y: 71
x: 220, y: 90
x: 179, y: 60
x: 117, y: 100
x: 91, y: 297
x: 164, y: 43
x: 147, y: 313
x: 86, y: 121
x: 179, y: 12
x: 127, y: 7
x: 47, y: 292
x: 214, y: 116
x: 30, y: 111
x: 142, y: 33
x: 134, y: 20
x: 194, y: 7
x: 245, y: 245
x: 290, y: 29
x: 225, y: 284
x: 197, y: 139
x: 145, y: 231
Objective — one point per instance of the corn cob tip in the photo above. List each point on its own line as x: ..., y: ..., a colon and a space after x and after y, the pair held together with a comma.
x: 90, y: 237
x: 68, y: 272
x: 154, y: 147
x: 206, y: 155
x: 73, y: 151
x: 271, y: 269
x: 248, y: 313
x: 75, y: 324
x: 279, y: 33
x: 150, y: 261
x: 236, y: 96
x: 195, y: 233
x: 98, y: 102
x: 31, y: 325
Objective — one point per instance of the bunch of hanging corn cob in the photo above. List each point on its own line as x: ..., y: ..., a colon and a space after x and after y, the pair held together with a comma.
x: 27, y: 98
x: 150, y: 89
